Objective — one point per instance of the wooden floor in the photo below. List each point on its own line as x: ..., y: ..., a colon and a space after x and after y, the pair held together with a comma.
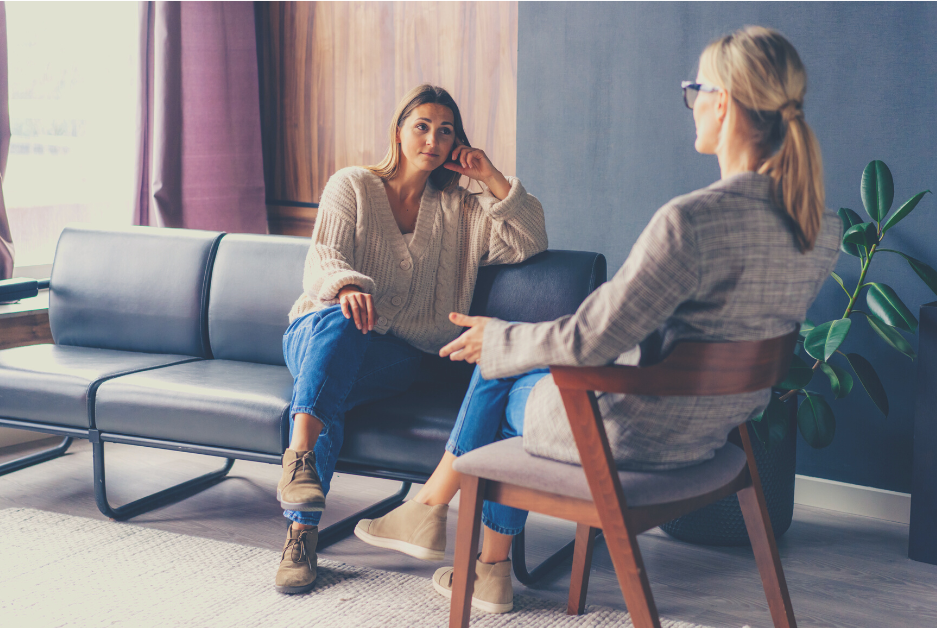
x: 842, y: 570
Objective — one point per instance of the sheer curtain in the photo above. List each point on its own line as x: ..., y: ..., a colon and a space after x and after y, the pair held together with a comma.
x: 200, y: 163
x: 6, y: 240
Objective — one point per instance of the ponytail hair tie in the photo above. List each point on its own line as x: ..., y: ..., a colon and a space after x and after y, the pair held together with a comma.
x: 791, y: 110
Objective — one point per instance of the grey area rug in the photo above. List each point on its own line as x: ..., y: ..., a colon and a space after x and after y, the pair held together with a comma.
x: 60, y: 570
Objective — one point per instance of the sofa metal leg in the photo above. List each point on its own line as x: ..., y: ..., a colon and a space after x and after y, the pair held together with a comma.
x: 340, y: 529
x: 519, y: 558
x: 150, y: 502
x: 36, y: 458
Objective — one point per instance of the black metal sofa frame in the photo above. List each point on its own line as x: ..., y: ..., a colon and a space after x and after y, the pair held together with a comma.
x: 172, y: 339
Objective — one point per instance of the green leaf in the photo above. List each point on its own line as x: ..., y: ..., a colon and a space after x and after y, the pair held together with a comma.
x: 884, y: 303
x: 877, y: 190
x: 925, y: 272
x: 864, y: 235
x: 806, y: 327
x: 904, y: 210
x: 816, y: 421
x: 840, y: 379
x: 825, y: 339
x: 839, y: 280
x: 850, y: 219
x: 891, y: 336
x: 869, y: 380
x: 771, y: 426
x: 798, y: 375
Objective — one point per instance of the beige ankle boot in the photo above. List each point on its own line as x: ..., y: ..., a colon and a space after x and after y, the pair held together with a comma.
x: 412, y: 528
x: 299, y: 487
x: 493, y: 592
x: 297, y: 571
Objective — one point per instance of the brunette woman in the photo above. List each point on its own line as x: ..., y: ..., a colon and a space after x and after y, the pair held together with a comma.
x: 396, y: 248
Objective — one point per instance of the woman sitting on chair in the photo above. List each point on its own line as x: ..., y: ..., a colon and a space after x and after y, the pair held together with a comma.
x: 395, y: 249
x: 739, y: 260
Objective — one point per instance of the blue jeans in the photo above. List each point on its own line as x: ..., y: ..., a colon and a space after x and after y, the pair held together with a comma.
x: 494, y: 410
x: 335, y: 368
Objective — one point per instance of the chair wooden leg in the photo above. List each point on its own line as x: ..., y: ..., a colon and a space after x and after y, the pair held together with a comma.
x: 632, y: 577
x: 761, y: 535
x: 582, y: 565
x: 466, y: 546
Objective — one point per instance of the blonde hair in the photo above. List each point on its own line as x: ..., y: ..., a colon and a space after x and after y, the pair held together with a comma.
x: 763, y: 74
x: 441, y: 177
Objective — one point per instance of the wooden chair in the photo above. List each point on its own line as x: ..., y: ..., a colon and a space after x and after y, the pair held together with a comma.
x: 620, y: 503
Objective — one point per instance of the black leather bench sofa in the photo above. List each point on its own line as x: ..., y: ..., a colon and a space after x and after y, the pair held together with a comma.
x: 173, y: 339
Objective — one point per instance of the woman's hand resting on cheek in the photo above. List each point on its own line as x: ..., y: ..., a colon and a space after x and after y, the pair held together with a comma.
x: 474, y: 164
x: 468, y: 346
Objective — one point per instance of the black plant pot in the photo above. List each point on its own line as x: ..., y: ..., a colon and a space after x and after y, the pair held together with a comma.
x: 721, y: 523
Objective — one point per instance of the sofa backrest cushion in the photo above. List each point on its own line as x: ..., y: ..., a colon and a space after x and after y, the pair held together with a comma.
x: 542, y: 288
x: 134, y: 289
x: 256, y: 280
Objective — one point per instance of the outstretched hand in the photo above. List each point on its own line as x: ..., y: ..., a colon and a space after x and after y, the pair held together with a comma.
x: 468, y: 346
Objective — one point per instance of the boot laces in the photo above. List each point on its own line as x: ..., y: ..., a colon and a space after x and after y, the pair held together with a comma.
x: 296, y: 546
x: 303, y: 463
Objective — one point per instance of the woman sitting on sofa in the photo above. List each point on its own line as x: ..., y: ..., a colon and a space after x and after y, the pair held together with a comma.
x: 739, y: 260
x: 395, y: 249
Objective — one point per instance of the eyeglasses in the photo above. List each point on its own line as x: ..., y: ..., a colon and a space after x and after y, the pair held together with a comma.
x: 691, y: 90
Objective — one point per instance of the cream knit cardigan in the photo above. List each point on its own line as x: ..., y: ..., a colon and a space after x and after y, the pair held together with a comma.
x: 356, y: 241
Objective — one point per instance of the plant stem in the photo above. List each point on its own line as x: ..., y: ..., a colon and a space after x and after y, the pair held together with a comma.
x: 852, y: 303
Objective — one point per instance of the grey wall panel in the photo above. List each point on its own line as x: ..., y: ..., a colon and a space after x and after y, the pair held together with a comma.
x: 604, y: 140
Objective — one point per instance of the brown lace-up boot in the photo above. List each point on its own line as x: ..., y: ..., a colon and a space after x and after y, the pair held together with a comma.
x: 300, y: 488
x: 297, y: 571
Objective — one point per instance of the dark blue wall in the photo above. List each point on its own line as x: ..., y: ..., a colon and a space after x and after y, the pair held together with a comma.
x: 603, y: 139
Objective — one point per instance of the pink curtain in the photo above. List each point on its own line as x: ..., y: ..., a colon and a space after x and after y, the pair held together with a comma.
x: 200, y: 161
x: 6, y: 240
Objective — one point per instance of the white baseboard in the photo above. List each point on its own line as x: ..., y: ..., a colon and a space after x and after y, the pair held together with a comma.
x: 853, y: 499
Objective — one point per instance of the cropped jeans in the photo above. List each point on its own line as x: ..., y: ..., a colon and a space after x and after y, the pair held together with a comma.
x: 335, y: 367
x: 494, y: 410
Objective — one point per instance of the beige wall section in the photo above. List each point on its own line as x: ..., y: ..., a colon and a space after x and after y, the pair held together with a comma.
x: 10, y: 437
x: 329, y: 96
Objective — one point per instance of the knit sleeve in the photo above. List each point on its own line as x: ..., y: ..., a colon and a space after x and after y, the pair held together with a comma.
x: 331, y: 257
x: 515, y: 225
x: 661, y: 272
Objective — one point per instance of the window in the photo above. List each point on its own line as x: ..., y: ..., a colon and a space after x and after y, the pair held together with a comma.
x: 73, y: 72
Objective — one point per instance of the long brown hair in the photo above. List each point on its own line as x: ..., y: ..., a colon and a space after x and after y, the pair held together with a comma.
x: 763, y: 73
x: 441, y: 177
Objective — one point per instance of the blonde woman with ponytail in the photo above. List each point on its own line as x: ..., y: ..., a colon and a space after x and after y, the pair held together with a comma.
x: 739, y: 260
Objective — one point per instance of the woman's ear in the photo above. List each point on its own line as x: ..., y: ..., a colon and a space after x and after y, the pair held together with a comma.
x: 722, y: 105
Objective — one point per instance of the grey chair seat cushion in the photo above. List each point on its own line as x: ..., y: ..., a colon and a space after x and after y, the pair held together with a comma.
x: 217, y: 403
x: 53, y: 384
x: 506, y: 461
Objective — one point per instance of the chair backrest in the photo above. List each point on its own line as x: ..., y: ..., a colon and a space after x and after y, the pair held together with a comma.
x: 134, y: 289
x: 256, y: 280
x: 692, y: 369
x: 543, y: 288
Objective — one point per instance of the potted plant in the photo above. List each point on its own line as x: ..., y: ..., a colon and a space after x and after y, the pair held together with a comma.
x: 822, y: 345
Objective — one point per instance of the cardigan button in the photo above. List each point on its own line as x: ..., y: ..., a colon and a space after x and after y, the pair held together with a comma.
x: 405, y: 264
x: 397, y: 301
x: 381, y: 320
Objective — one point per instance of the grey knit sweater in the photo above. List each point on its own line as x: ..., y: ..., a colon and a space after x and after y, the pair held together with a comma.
x: 356, y: 241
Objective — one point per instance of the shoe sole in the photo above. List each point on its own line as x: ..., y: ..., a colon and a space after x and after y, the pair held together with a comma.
x: 410, y: 549
x: 482, y: 605
x: 301, y: 506
x: 294, y: 590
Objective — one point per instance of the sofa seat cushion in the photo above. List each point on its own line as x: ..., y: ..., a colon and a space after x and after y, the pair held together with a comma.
x: 506, y: 461
x: 217, y: 403
x: 54, y: 384
x: 406, y: 433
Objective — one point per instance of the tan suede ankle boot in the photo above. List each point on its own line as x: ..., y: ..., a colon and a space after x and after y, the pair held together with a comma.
x: 299, y: 487
x: 493, y: 592
x: 412, y: 528
x: 297, y: 571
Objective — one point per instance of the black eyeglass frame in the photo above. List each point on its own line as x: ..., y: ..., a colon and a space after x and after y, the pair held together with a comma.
x: 696, y: 87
